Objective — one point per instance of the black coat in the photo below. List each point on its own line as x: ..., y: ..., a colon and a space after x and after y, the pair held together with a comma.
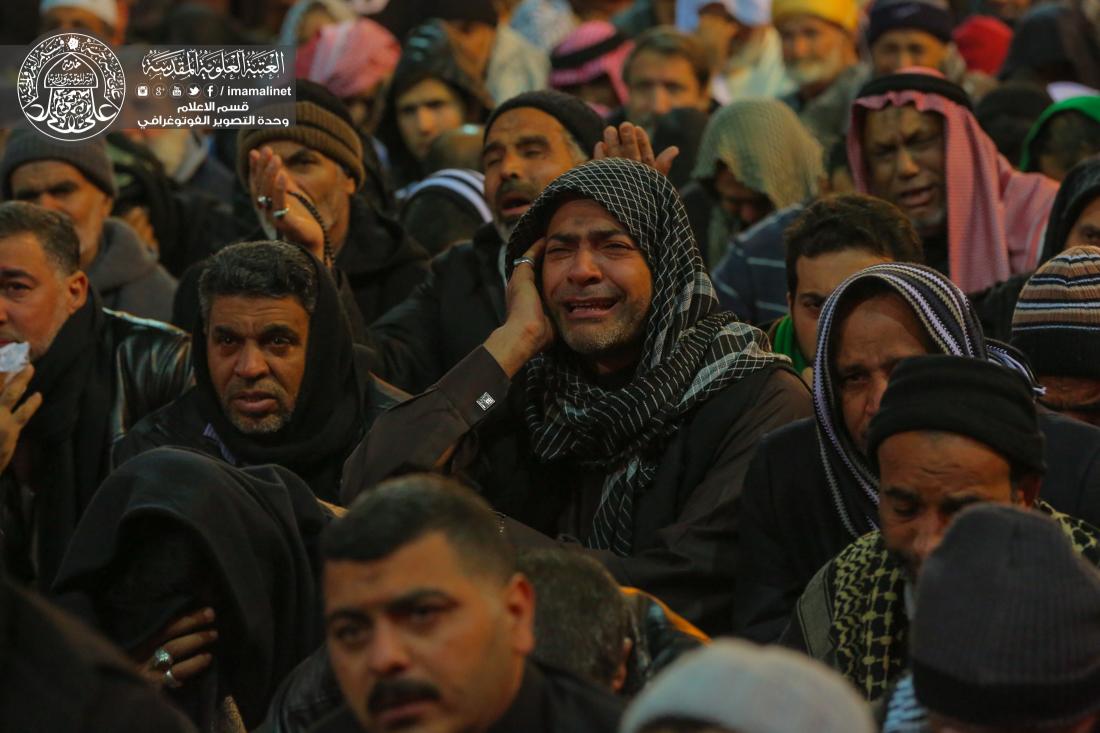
x: 59, y: 676
x: 445, y: 318
x: 790, y: 526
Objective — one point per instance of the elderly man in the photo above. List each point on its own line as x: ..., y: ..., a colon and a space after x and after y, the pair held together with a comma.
x: 1035, y: 668
x: 914, y: 142
x: 755, y: 157
x: 278, y: 378
x: 819, y: 50
x: 745, y: 51
x: 430, y: 626
x: 95, y: 373
x: 812, y: 489
x: 77, y: 180
x: 951, y: 431
x: 617, y: 406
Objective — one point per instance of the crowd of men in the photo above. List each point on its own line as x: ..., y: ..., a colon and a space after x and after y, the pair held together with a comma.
x: 568, y: 366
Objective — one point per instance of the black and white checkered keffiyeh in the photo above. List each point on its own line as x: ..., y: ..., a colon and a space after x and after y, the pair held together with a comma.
x: 691, y: 349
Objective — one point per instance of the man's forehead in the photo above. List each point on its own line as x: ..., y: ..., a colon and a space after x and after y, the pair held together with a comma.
x: 288, y: 148
x: 20, y: 251
x: 428, y: 563
x: 906, y: 118
x: 258, y: 310
x: 47, y: 173
x: 522, y: 122
x: 583, y: 212
x: 882, y: 305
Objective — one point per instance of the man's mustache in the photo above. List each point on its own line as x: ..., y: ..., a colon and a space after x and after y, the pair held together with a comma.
x: 394, y: 693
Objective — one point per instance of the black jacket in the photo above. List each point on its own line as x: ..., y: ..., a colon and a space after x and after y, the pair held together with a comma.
x: 549, y: 701
x: 150, y: 367
x: 182, y: 425
x: 685, y: 522
x: 445, y: 317
x: 790, y: 526
x: 60, y: 677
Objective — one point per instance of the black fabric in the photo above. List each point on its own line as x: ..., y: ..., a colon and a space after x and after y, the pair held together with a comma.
x: 956, y: 394
x: 381, y: 262
x: 682, y: 127
x: 59, y: 676
x: 478, y: 11
x: 578, y: 118
x: 256, y: 529
x: 68, y: 434
x: 925, y: 83
x: 1079, y: 188
x: 549, y: 700
x: 328, y: 413
x: 1038, y: 664
x: 1038, y: 48
x: 789, y: 526
x: 447, y: 316
x: 909, y: 15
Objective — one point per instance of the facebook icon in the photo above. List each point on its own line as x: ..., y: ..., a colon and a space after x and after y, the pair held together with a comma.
x: 210, y: 91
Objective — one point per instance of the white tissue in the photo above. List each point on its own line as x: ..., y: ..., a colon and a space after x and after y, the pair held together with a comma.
x: 14, y: 356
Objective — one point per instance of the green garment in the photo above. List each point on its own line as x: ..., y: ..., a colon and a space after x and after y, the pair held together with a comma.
x: 786, y: 343
x: 1088, y: 106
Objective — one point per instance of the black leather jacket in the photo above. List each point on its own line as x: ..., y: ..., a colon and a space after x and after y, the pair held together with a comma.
x: 152, y: 367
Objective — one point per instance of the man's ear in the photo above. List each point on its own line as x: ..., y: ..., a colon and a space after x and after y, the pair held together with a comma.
x: 519, y: 603
x: 1026, y: 491
x: 349, y: 183
x: 76, y: 289
x: 619, y: 678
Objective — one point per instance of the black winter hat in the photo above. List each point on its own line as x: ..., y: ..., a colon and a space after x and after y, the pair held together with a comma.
x: 957, y: 394
x: 1007, y: 628
x: 578, y: 118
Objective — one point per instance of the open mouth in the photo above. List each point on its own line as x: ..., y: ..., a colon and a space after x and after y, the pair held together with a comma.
x: 917, y: 197
x: 589, y: 308
x: 402, y: 714
x: 513, y: 205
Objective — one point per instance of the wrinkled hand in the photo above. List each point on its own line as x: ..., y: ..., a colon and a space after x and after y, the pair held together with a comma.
x: 630, y: 141
x: 527, y: 330
x: 12, y: 418
x: 184, y: 639
x: 268, y: 176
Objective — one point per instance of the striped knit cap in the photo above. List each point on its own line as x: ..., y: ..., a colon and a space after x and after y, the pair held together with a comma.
x: 1057, y: 318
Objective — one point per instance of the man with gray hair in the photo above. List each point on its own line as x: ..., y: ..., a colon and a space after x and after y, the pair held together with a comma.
x: 278, y: 379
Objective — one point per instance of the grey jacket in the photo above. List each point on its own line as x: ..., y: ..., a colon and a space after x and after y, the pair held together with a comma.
x: 128, y: 277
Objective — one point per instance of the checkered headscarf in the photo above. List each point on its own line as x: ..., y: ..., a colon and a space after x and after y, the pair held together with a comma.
x: 691, y: 349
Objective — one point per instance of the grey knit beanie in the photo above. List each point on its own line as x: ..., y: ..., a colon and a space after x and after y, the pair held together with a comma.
x: 1007, y: 628
x: 89, y: 157
x: 751, y: 689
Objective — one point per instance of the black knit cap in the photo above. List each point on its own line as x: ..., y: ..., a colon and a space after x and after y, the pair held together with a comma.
x: 925, y: 83
x: 919, y: 15
x: 578, y: 118
x: 1007, y: 629
x: 956, y: 394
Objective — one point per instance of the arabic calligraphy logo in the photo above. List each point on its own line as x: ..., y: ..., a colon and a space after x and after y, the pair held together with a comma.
x: 71, y: 87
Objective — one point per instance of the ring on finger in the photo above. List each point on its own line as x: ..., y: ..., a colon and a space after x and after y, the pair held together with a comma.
x: 170, y: 680
x: 162, y: 659
x: 280, y: 213
x: 523, y: 261
x: 263, y: 201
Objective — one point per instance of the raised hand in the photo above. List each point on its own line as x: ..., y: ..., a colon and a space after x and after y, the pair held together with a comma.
x: 630, y: 141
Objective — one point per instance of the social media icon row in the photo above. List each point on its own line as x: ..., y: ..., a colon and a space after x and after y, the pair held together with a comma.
x: 175, y: 90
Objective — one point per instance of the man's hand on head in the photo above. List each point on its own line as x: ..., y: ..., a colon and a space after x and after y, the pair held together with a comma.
x: 268, y: 178
x: 527, y: 330
x: 13, y: 419
x: 630, y: 141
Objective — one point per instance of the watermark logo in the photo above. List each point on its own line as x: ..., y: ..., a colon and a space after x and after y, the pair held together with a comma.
x: 71, y: 86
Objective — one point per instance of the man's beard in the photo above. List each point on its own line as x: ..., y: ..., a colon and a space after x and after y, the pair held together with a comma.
x: 931, y: 224
x: 266, y: 425
x: 808, y: 72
